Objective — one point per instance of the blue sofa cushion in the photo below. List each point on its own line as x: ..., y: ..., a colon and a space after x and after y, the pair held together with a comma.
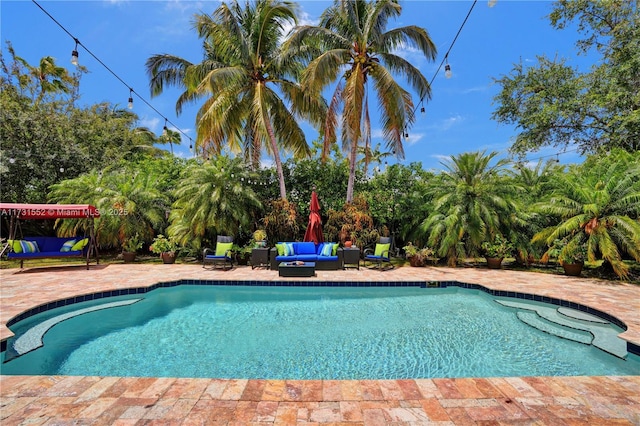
x: 286, y: 258
x: 327, y: 258
x: 305, y: 248
x: 307, y: 257
x: 44, y: 254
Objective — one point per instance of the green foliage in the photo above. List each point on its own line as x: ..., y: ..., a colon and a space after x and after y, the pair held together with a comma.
x: 598, y: 204
x: 471, y: 203
x: 131, y: 199
x: 498, y: 247
x: 556, y: 105
x: 213, y: 197
x: 132, y: 243
x: 420, y: 253
x: 398, y: 199
x: 46, y: 139
x: 162, y: 244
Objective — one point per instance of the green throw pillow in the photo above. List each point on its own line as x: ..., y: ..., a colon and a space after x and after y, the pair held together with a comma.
x: 280, y: 247
x: 222, y: 248
x: 80, y: 244
x: 15, y: 246
x: 382, y: 248
x: 67, y: 245
x: 334, y: 252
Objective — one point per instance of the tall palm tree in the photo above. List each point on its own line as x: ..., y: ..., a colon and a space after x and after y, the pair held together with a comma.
x: 242, y: 78
x: 471, y: 205
x: 351, y: 44
x: 598, y: 204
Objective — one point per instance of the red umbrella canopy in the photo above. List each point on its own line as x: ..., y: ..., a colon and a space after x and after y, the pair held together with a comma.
x: 314, y: 228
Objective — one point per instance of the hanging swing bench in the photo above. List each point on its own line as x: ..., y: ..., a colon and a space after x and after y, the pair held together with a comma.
x: 27, y: 248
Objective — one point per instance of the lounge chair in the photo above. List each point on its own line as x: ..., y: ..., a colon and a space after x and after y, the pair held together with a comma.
x: 222, y: 256
x: 379, y: 257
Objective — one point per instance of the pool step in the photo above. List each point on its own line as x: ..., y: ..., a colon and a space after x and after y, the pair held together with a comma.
x: 605, y: 337
x: 535, y: 321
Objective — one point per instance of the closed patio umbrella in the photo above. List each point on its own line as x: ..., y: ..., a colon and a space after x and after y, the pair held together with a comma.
x: 314, y: 228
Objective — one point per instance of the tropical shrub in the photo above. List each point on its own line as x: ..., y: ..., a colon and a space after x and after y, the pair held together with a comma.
x: 598, y: 204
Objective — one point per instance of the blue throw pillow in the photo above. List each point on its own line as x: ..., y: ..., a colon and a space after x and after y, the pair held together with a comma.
x: 327, y: 250
x: 289, y: 250
x: 67, y: 245
x: 29, y: 246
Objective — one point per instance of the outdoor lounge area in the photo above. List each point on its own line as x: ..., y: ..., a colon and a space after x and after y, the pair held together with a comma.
x: 510, y: 400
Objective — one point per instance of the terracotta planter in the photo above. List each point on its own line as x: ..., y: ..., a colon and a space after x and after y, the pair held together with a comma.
x: 494, y: 262
x: 168, y: 257
x: 348, y: 243
x: 416, y: 261
x: 129, y: 256
x: 573, y: 269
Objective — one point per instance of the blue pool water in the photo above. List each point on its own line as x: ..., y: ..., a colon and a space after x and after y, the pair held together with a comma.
x: 307, y: 333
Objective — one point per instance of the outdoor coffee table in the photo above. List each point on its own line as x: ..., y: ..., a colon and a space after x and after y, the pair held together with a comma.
x: 297, y: 269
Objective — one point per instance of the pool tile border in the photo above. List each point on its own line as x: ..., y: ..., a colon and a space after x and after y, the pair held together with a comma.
x: 631, y: 347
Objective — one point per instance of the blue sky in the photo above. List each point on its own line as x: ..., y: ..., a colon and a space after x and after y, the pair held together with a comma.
x: 124, y: 34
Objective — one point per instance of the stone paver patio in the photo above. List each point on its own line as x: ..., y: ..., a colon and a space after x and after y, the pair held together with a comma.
x: 168, y: 401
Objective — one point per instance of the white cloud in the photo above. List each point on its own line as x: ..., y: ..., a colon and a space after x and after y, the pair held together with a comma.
x: 448, y: 123
x: 152, y: 123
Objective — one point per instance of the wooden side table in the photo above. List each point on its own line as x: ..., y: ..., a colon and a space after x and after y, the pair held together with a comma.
x: 351, y: 257
x: 260, y: 257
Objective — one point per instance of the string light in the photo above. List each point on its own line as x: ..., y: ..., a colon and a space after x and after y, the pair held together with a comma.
x: 165, y: 131
x: 74, y: 53
x: 130, y: 103
x: 74, y: 61
x: 447, y: 71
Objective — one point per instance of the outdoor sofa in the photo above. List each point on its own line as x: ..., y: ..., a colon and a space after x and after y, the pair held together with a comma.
x: 48, y: 247
x: 327, y: 256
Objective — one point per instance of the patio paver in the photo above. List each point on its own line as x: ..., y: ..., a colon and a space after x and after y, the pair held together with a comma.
x: 138, y: 401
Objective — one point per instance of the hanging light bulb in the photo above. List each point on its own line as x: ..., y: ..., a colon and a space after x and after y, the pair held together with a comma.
x: 447, y: 71
x: 130, y: 103
x: 422, y: 110
x: 165, y: 131
x: 74, y: 54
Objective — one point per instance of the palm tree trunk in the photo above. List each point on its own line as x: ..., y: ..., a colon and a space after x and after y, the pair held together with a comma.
x: 276, y: 157
x: 352, y: 171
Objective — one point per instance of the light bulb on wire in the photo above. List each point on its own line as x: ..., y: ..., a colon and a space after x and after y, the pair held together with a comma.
x: 74, y: 54
x: 447, y: 71
x: 130, y: 103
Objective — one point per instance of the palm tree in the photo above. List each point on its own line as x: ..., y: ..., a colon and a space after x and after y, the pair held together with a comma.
x: 472, y: 204
x: 212, y: 197
x: 170, y: 136
x: 352, y: 35
x: 241, y: 78
x: 598, y: 204
x: 129, y: 203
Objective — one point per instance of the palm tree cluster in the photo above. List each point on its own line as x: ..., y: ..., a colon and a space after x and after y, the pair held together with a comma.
x: 256, y: 81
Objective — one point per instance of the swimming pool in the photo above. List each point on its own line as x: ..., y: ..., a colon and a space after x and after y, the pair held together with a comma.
x: 306, y: 333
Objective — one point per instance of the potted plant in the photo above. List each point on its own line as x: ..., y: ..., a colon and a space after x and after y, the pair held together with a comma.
x: 572, y: 257
x: 243, y: 254
x: 260, y: 238
x: 495, y: 251
x: 129, y: 248
x: 165, y: 247
x: 417, y: 256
